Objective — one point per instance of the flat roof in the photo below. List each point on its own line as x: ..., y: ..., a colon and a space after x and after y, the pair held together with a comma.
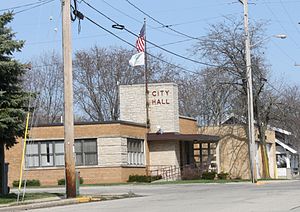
x: 94, y: 123
x: 173, y: 136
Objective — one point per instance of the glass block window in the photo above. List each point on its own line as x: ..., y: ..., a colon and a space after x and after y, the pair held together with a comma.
x: 135, y: 152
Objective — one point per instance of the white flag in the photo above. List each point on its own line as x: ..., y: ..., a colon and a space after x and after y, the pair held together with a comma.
x: 137, y: 59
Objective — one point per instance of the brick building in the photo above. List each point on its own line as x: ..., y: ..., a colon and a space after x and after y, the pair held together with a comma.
x: 109, y: 152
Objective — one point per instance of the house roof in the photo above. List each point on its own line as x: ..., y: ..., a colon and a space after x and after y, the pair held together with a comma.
x: 173, y: 136
x: 286, y: 147
x: 281, y: 130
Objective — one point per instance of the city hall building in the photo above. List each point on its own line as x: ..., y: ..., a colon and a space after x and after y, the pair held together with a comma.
x: 109, y: 152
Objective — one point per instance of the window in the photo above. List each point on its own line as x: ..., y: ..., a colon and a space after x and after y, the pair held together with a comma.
x: 59, y: 153
x: 135, y: 151
x: 51, y: 153
x: 46, y: 154
x: 32, y: 155
x: 86, y: 152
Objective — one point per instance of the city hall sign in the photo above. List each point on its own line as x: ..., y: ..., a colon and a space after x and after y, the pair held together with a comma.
x: 160, y: 97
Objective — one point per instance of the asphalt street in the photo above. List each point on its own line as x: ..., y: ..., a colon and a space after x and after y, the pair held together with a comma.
x: 269, y: 196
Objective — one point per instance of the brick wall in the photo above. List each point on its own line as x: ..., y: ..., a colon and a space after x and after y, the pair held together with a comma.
x: 90, y: 175
x: 188, y: 125
x: 112, y: 153
x: 233, y: 155
x: 90, y: 131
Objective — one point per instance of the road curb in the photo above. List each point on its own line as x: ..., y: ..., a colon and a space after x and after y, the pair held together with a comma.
x: 36, y: 205
x: 54, y: 202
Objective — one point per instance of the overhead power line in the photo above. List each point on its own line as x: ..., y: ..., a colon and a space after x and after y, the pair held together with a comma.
x: 279, y: 22
x: 163, y: 25
x: 289, y: 16
x: 171, y: 25
x: 156, y: 45
x: 125, y: 41
x: 24, y: 5
x: 138, y: 21
x: 35, y: 6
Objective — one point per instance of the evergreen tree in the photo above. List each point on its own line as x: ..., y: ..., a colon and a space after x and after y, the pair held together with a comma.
x: 12, y: 98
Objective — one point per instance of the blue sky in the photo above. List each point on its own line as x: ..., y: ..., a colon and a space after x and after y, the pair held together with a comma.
x: 41, y: 27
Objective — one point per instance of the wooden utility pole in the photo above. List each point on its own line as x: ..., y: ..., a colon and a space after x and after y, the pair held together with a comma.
x: 251, y: 129
x: 68, y: 101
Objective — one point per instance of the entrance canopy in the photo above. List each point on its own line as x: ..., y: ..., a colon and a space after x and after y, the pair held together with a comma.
x: 173, y: 136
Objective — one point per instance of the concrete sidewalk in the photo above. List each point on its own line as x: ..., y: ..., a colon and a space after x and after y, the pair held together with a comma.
x: 58, y: 201
x: 38, y: 203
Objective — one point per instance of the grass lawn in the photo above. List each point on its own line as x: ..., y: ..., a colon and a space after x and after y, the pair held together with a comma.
x: 10, y: 198
x: 169, y: 182
x: 200, y: 181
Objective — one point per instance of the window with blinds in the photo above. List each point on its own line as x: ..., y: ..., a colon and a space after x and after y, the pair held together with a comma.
x: 86, y: 152
x: 51, y: 153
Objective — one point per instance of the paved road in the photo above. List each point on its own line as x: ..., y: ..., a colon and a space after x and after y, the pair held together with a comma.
x: 273, y: 196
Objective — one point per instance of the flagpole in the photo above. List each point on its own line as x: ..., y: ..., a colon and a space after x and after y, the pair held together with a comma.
x: 147, y: 105
x: 146, y: 81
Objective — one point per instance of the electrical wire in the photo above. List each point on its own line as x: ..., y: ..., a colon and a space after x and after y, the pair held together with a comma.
x: 163, y: 25
x: 24, y: 5
x: 281, y: 25
x: 125, y: 41
x: 176, y: 24
x: 288, y: 15
x: 157, y: 46
x: 284, y: 52
x: 175, y: 42
x: 138, y: 21
x: 120, y: 11
x: 30, y: 8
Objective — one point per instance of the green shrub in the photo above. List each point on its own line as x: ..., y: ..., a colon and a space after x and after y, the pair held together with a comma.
x: 209, y: 175
x: 28, y: 183
x: 143, y: 178
x: 223, y: 176
x: 63, y: 181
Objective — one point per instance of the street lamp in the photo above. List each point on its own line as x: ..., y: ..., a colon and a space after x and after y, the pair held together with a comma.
x: 280, y: 36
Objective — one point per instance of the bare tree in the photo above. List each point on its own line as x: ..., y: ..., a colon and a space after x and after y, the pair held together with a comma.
x: 99, y: 71
x: 206, y: 96
x: 45, y: 81
x: 224, y: 46
x: 288, y: 112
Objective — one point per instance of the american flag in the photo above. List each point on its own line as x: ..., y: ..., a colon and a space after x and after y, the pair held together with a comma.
x: 140, y: 43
